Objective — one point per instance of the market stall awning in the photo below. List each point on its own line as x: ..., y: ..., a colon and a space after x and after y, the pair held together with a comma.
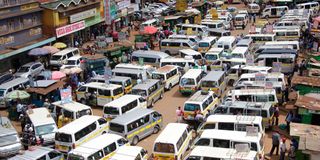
x: 308, y: 81
x: 308, y: 136
x: 308, y: 102
x: 42, y: 89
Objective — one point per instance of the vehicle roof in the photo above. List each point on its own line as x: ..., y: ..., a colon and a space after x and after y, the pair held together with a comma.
x: 182, y: 36
x: 215, y: 50
x: 283, y: 42
x: 208, y: 39
x: 13, y: 82
x: 34, y: 154
x: 171, y: 133
x: 287, y: 29
x: 252, y: 68
x: 285, y: 55
x: 226, y: 38
x: 76, y: 57
x: 149, y: 21
x: 260, y: 84
x: 98, y: 143
x: 30, y: 64
x: 133, y: 66
x: 176, y: 40
x: 210, y: 21
x: 8, y: 128
x: 119, y: 78
x: 40, y: 116
x: 72, y: 106
x: 276, y: 7
x: 100, y: 85
x: 125, y: 70
x: 146, y: 84
x: 253, y: 91
x: 230, y: 135
x: 235, y: 118
x: 268, y: 75
x: 65, y: 51
x: 123, y: 100
x: 165, y: 69
x: 307, y: 3
x: 77, y: 124
x: 126, y: 153
x: 190, y: 52
x: 213, y: 76
x: 192, y: 73
x: 244, y: 41
x: 259, y: 35
x: 239, y: 50
x: 131, y: 116
x: 240, y: 15
x: 193, y: 25
x: 225, y: 153
x: 199, y: 97
x: 173, y: 59
x: 150, y: 53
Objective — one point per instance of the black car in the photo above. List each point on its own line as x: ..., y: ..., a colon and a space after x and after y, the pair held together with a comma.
x: 6, y: 77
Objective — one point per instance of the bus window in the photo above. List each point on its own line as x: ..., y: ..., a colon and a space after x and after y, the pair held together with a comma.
x: 221, y: 143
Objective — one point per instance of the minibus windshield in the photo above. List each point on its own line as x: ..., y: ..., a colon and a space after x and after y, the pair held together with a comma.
x: 164, y: 148
x: 191, y: 107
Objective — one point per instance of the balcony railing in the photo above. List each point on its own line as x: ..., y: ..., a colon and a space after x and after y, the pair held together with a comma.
x: 5, y: 30
x: 11, y: 3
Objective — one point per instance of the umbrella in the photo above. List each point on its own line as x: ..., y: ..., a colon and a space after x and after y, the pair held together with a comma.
x: 38, y: 52
x: 72, y: 70
x: 150, y: 29
x: 60, y: 45
x: 57, y: 75
x: 51, y: 49
x: 18, y: 94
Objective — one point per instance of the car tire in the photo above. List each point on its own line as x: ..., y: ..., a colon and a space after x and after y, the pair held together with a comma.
x: 135, y: 140
x: 170, y: 87
x: 156, y: 129
x: 161, y: 95
x: 168, y: 52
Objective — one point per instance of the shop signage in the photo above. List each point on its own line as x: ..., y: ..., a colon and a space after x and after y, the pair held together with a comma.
x: 6, y: 40
x: 109, y: 39
x: 107, y: 13
x: 68, y: 29
x: 83, y: 15
x: 65, y: 95
x: 123, y: 4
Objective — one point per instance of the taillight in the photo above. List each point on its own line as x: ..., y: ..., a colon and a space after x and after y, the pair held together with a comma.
x: 73, y: 146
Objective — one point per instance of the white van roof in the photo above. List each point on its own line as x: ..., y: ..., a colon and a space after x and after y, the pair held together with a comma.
x: 215, y: 50
x: 149, y: 21
x: 65, y: 51
x: 36, y: 153
x: 72, y: 106
x: 100, y: 85
x: 173, y: 59
x: 192, y: 73
x: 126, y: 153
x: 252, y: 68
x: 40, y: 116
x: 255, y: 91
x: 95, y: 144
x: 150, y: 53
x: 238, y: 136
x: 76, y: 57
x: 78, y: 124
x: 189, y: 52
x: 268, y: 75
x: 224, y: 153
x: 235, y: 118
x: 125, y: 99
x: 226, y: 39
x: 208, y: 39
x: 171, y: 133
x: 14, y: 82
x: 240, y: 50
x: 199, y: 97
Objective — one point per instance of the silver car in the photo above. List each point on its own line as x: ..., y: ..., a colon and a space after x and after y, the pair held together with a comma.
x: 30, y: 70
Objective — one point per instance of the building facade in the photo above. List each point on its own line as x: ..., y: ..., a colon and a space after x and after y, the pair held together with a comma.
x: 20, y: 31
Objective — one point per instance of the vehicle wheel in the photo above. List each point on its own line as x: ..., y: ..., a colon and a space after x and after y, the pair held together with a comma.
x: 135, y: 140
x: 230, y: 83
x: 168, y: 52
x: 156, y: 129
x: 170, y: 87
x: 29, y: 77
x: 104, y: 132
x: 42, y: 70
x: 266, y: 17
x: 161, y: 95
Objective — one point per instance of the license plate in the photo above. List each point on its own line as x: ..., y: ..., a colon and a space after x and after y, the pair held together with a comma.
x: 63, y: 148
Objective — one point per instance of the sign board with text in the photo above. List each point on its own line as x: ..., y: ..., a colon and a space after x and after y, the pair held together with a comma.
x: 71, y: 28
x: 66, y: 96
x: 260, y: 77
x: 83, y: 15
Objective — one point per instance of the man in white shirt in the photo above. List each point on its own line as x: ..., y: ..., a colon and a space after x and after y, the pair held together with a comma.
x: 283, y: 149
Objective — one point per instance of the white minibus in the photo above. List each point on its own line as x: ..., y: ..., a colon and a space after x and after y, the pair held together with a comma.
x: 206, y: 43
x: 254, y: 95
x: 216, y: 153
x: 229, y: 139
x: 268, y: 77
x: 123, y: 105
x: 191, y: 53
x: 226, y: 42
x: 173, y: 142
x: 101, y: 147
x: 231, y: 122
x: 214, y: 81
x: 184, y: 64
x: 240, y: 52
x: 287, y: 61
x: 190, y: 81
x: 288, y: 34
x: 149, y: 57
x: 130, y: 153
x: 294, y: 44
x: 172, y: 46
x: 314, y: 6
x: 274, y: 11
x: 260, y: 38
x: 79, y: 131
x: 196, y: 29
x: 193, y: 38
x: 213, y: 24
x: 169, y: 75
x: 61, y: 57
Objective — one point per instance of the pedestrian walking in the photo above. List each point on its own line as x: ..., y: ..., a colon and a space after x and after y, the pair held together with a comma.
x: 179, y: 114
x: 292, y: 150
x: 275, y: 143
x: 289, y: 118
x: 198, y: 119
x: 276, y: 116
x: 283, y: 149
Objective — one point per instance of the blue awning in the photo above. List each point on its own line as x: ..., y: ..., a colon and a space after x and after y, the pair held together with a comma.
x: 41, y: 43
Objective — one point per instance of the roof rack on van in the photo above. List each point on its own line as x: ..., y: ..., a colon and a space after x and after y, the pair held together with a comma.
x: 245, y: 118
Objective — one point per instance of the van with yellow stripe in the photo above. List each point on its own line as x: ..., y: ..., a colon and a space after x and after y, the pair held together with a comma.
x: 205, y: 44
x: 203, y: 101
x: 169, y: 75
x: 173, y: 142
x: 151, y: 90
x: 190, y: 81
x: 79, y: 131
x: 101, y: 147
x: 214, y: 81
x: 125, y: 82
x: 137, y: 124
x: 98, y: 94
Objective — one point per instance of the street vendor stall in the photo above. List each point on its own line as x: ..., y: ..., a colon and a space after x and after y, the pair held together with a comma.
x: 146, y: 38
x: 308, y: 108
x: 308, y: 140
x: 45, y: 89
x: 202, y: 6
x: 172, y: 20
x: 306, y: 84
x: 190, y: 16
